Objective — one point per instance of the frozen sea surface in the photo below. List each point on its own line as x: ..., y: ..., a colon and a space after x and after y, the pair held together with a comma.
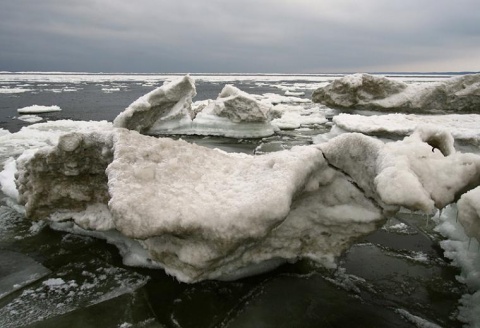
x: 396, y: 277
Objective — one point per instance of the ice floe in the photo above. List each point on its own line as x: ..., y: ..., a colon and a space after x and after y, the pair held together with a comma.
x: 30, y: 118
x: 168, y: 110
x: 365, y: 91
x: 461, y: 126
x: 205, y: 214
x: 35, y: 109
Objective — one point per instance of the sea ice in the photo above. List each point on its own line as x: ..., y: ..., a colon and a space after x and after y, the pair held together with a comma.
x: 364, y: 91
x: 30, y: 118
x: 17, y: 271
x: 36, y: 109
x: 170, y: 102
x: 204, y: 214
x: 461, y: 126
x: 421, y: 172
x: 168, y: 110
x: 35, y: 136
x: 469, y: 213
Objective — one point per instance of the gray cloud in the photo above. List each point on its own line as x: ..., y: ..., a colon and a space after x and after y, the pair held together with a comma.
x: 241, y: 36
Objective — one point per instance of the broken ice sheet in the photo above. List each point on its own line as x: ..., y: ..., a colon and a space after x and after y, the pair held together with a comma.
x: 72, y: 287
x: 17, y: 271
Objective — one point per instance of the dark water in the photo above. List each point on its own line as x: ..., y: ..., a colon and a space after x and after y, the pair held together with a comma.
x: 377, y: 280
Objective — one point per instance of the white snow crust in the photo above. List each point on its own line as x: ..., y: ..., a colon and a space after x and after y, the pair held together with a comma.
x: 460, y: 126
x: 36, y: 109
x: 30, y: 118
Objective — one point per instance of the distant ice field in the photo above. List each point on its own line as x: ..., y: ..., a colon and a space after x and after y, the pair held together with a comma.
x: 86, y: 96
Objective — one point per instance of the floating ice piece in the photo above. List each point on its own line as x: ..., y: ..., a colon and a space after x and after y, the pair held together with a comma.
x: 30, y: 118
x: 273, y: 98
x: 168, y: 110
x: 294, y: 93
x: 364, y: 91
x: 238, y: 106
x: 170, y: 102
x: 200, y: 213
x: 37, y: 109
x: 233, y: 114
x: 14, y: 90
x: 294, y: 117
x: 460, y: 126
x: 205, y: 214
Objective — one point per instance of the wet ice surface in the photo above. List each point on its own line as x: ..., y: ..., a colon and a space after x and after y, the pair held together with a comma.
x: 396, y: 277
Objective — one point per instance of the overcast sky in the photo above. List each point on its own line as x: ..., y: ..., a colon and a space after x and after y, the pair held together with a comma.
x: 284, y: 36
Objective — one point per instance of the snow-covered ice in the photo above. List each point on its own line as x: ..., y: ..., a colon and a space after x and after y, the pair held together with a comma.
x: 461, y: 126
x: 36, y: 109
x: 365, y: 91
x: 36, y: 136
x: 205, y: 214
x: 14, y: 90
x: 30, y: 118
x: 464, y: 251
x: 168, y: 110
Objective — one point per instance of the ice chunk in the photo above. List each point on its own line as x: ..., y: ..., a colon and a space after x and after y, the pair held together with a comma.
x: 198, y: 212
x: 14, y: 90
x: 294, y: 117
x: 238, y: 106
x: 364, y: 91
x: 469, y: 213
x: 461, y: 126
x: 30, y: 118
x: 168, y: 110
x: 233, y: 114
x: 204, y: 214
x: 39, y: 135
x: 79, y: 163
x: 353, y: 90
x: 170, y: 102
x: 408, y: 173
x: 7, y: 179
x: 463, y: 251
x: 36, y: 109
x: 17, y: 271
